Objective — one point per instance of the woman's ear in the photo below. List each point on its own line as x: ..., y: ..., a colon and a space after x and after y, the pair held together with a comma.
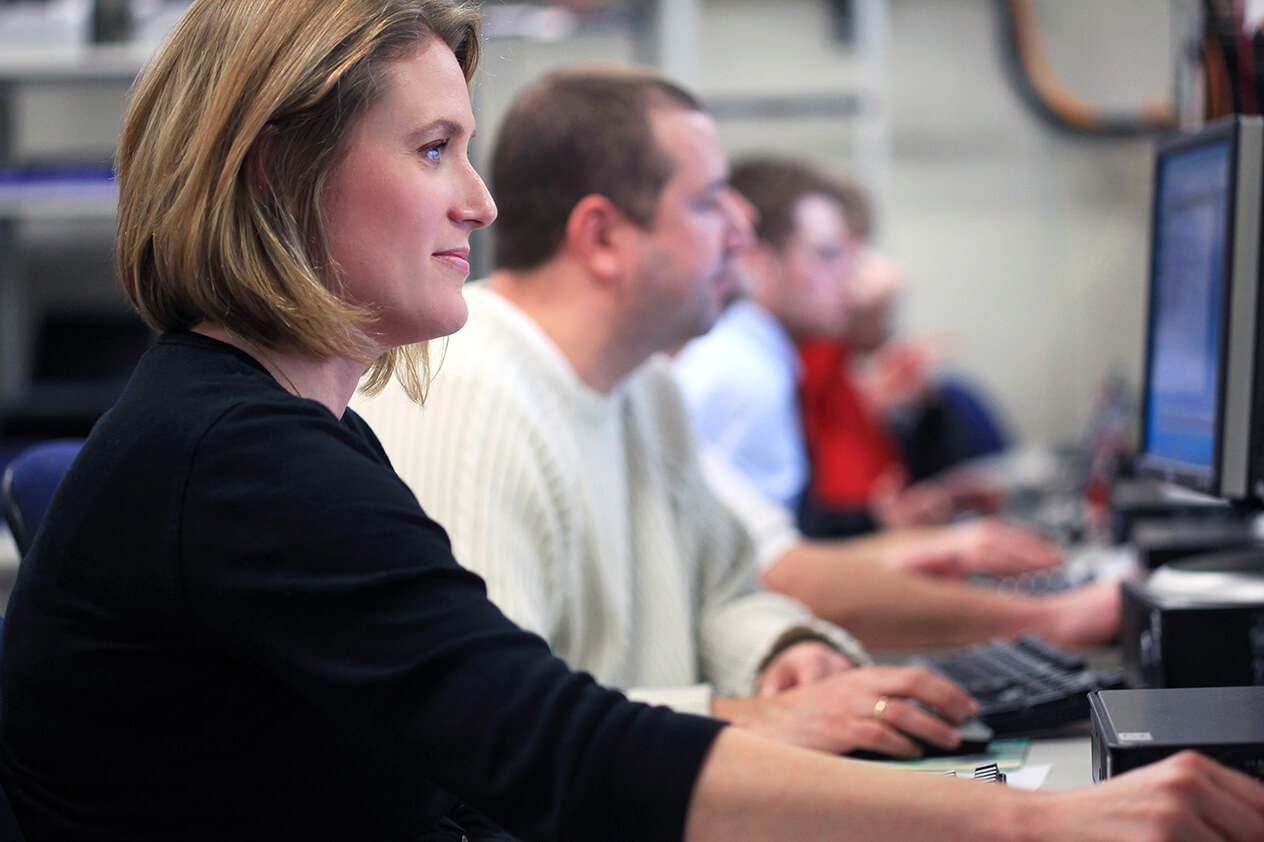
x: 594, y: 231
x: 259, y: 160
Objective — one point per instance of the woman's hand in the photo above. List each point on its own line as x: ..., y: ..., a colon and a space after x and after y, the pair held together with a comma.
x: 868, y: 708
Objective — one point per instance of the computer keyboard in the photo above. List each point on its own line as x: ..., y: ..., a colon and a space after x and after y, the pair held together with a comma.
x: 1083, y: 565
x: 1023, y: 686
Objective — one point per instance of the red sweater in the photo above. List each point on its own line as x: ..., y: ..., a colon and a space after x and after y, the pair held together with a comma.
x: 847, y: 447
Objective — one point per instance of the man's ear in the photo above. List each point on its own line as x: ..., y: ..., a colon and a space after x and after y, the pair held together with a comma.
x: 594, y: 231
x: 259, y: 160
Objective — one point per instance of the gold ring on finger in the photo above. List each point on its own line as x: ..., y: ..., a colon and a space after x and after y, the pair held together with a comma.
x: 879, y: 707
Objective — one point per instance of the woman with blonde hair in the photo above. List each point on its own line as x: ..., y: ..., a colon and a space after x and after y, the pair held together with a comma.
x: 236, y: 622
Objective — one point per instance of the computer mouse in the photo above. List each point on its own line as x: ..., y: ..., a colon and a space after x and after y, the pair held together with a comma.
x: 975, y: 736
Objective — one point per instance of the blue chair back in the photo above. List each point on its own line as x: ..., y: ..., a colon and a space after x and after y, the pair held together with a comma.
x: 975, y: 422
x: 26, y: 489
x: 28, y: 485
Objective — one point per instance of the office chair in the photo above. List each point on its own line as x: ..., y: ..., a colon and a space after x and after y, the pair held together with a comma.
x: 956, y: 423
x: 28, y: 485
x: 978, y: 425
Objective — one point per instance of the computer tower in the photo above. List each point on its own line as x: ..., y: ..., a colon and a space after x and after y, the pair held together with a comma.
x: 1134, y: 727
x: 1196, y: 622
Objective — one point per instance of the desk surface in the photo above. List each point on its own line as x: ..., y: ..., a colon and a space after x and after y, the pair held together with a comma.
x: 1071, y: 754
x: 1070, y: 758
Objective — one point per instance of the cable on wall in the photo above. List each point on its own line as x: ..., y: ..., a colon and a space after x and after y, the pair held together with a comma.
x: 1037, y: 84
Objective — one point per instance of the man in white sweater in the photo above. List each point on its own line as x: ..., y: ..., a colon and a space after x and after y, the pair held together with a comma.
x: 861, y: 584
x: 560, y: 456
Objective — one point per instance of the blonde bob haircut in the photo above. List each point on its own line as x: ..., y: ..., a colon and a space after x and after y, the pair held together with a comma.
x: 215, y: 225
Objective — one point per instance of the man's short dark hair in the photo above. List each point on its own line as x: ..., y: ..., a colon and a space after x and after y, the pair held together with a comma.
x: 775, y: 185
x: 575, y: 133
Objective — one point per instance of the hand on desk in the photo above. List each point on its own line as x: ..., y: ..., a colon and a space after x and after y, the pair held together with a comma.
x: 867, y: 708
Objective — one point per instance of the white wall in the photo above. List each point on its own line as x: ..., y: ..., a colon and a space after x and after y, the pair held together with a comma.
x: 1025, y: 244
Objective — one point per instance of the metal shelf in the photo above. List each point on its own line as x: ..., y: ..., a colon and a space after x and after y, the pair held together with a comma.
x: 88, y: 63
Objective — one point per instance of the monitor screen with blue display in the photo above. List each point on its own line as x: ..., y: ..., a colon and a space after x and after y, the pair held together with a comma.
x: 1191, y: 243
x: 1200, y: 400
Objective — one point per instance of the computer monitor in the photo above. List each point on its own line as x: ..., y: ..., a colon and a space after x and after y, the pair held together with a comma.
x: 1202, y: 423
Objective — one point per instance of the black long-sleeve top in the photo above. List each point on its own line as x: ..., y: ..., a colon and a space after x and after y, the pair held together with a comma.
x: 238, y: 623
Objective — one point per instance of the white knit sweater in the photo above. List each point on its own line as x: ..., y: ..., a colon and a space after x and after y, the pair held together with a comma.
x: 588, y: 514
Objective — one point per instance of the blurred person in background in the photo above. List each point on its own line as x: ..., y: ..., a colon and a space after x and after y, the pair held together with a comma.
x: 880, y: 427
x: 741, y: 382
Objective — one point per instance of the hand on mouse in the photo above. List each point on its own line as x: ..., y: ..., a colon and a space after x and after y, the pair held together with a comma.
x: 867, y: 708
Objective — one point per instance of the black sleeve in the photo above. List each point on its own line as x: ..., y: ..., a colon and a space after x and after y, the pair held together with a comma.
x: 302, y: 548
x: 820, y: 521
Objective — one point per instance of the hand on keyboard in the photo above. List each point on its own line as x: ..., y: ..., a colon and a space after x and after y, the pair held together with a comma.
x: 1084, y: 616
x: 1082, y: 566
x: 985, y: 546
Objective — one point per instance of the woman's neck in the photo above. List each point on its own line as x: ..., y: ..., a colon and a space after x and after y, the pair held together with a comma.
x: 331, y: 382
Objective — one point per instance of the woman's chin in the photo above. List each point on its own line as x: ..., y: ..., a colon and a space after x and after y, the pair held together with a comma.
x: 441, y: 324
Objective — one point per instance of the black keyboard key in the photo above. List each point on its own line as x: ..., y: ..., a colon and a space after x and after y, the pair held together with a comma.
x: 1023, y: 686
x: 1041, y: 648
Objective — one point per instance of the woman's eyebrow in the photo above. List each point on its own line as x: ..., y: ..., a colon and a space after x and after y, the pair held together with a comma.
x: 441, y: 126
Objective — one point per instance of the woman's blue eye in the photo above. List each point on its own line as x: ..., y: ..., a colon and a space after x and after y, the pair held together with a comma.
x: 434, y: 152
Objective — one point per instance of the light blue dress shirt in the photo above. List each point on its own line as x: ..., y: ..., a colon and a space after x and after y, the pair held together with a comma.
x: 741, y: 383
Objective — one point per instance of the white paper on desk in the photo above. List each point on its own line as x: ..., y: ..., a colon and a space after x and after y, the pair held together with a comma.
x: 1031, y: 776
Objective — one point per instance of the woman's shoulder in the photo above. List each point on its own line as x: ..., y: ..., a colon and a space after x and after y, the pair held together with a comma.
x: 208, y: 410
